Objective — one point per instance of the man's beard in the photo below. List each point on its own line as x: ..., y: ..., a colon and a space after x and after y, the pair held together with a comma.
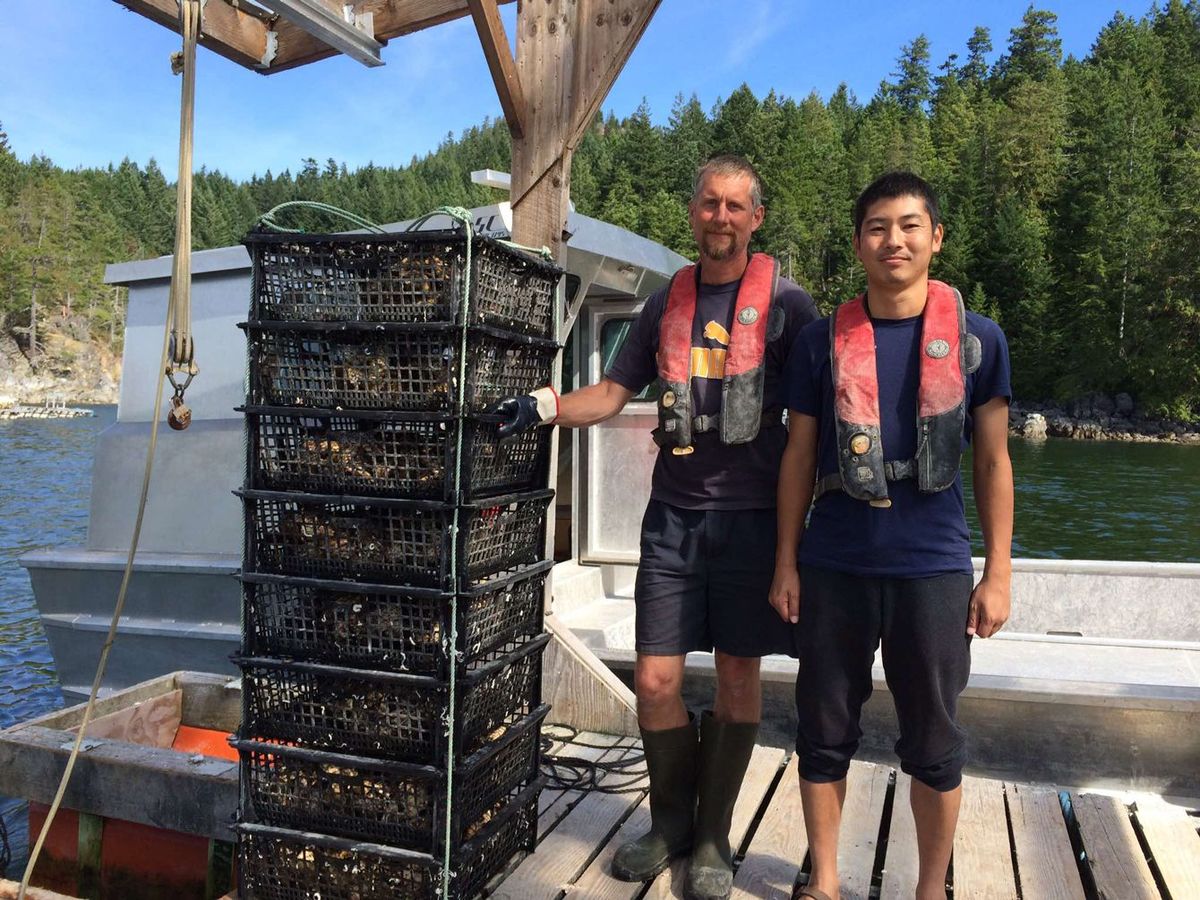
x: 720, y: 250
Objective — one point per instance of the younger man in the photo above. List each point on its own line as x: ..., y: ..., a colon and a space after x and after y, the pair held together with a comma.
x: 884, y: 396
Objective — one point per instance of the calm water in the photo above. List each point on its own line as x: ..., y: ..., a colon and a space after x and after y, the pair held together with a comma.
x: 1074, y: 500
x: 1103, y: 500
x: 45, y: 480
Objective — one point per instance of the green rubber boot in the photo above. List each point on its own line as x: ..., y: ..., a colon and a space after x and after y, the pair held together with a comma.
x: 671, y: 761
x: 725, y: 749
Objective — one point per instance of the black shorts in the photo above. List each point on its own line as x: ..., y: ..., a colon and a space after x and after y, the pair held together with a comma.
x: 921, y: 623
x: 704, y: 581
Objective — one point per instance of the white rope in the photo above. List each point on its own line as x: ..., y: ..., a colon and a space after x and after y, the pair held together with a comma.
x: 463, y: 216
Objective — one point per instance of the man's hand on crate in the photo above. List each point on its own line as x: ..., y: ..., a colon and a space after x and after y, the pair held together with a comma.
x: 522, y: 413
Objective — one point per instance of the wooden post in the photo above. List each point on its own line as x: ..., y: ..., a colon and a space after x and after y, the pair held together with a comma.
x: 569, y: 53
x: 91, y: 841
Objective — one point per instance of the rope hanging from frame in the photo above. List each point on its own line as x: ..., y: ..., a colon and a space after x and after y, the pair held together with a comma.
x: 182, y: 351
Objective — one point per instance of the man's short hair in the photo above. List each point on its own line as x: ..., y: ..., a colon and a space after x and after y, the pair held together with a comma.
x: 892, y: 185
x: 729, y: 164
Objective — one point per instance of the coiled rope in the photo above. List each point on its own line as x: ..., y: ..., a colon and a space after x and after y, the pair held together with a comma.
x: 620, y: 776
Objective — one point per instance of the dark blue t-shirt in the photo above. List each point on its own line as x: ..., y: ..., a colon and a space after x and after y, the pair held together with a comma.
x: 716, y: 475
x: 920, y: 535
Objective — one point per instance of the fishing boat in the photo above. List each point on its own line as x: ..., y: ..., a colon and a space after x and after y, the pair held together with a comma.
x: 1094, y: 685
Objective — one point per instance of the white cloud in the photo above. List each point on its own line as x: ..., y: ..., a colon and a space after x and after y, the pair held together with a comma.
x: 760, y: 20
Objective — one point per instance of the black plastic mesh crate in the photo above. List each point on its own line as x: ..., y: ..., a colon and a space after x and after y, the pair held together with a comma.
x: 413, y: 278
x: 280, y: 864
x: 391, y: 541
x: 392, y: 803
x: 398, y: 368
x: 377, y: 454
x: 389, y: 715
x: 378, y: 627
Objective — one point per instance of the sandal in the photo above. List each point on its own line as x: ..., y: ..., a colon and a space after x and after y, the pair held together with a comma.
x: 802, y: 890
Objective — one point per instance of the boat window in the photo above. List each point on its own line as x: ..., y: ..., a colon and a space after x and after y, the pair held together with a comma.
x: 612, y: 338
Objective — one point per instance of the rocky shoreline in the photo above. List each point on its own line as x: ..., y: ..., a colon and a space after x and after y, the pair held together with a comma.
x: 1097, y: 417
x: 82, y: 374
x: 71, y: 372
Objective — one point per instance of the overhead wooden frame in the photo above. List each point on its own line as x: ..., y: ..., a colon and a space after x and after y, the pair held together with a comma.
x: 500, y: 61
x: 247, y: 34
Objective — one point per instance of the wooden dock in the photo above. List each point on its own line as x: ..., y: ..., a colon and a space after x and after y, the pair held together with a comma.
x: 1014, y: 840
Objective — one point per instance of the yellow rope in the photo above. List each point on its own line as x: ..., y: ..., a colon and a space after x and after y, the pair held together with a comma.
x: 182, y: 348
x: 190, y: 17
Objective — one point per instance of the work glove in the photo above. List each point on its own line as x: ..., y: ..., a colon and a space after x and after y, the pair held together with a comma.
x: 524, y: 412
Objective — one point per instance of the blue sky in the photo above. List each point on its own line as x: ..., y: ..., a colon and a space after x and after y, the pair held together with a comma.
x: 86, y: 82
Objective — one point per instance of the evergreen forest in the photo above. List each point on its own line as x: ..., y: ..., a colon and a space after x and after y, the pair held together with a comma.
x: 1070, y: 192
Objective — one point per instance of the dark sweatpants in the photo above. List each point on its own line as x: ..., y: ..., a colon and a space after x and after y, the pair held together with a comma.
x: 921, y: 623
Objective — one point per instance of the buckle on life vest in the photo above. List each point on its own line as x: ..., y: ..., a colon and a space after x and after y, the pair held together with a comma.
x: 683, y: 451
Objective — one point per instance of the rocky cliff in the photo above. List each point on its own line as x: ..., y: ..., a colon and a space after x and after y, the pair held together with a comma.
x: 68, y: 369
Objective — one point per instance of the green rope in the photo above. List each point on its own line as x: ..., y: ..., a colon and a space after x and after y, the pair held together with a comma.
x: 460, y: 214
x: 542, y: 251
x: 268, y: 220
x: 464, y: 216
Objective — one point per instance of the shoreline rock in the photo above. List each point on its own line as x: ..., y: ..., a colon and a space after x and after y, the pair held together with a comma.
x: 1097, y: 417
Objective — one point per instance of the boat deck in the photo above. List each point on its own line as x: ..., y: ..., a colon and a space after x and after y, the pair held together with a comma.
x: 1014, y: 840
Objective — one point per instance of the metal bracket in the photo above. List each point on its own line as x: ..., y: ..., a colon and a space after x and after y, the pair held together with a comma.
x: 346, y: 32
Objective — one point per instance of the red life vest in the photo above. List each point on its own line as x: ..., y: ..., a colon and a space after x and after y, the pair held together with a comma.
x: 742, y: 388
x: 949, y: 354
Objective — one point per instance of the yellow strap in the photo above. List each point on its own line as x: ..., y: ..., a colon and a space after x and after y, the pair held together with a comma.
x: 180, y: 305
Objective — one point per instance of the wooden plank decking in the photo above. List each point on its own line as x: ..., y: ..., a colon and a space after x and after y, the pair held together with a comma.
x: 1014, y: 840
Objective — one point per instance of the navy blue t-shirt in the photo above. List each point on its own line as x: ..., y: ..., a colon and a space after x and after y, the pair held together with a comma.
x: 716, y: 475
x: 920, y: 535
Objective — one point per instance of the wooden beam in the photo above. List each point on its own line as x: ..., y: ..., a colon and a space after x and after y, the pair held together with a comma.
x: 779, y: 844
x: 243, y: 34
x: 500, y: 62
x: 233, y: 33
x: 569, y: 53
x: 983, y: 865
x: 91, y: 844
x: 1045, y: 860
x: 608, y: 32
x: 582, y: 691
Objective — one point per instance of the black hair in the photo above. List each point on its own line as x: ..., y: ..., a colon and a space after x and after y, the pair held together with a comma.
x: 892, y: 185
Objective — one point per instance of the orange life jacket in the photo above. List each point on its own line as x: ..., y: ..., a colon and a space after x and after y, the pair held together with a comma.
x: 742, y: 388
x: 949, y: 354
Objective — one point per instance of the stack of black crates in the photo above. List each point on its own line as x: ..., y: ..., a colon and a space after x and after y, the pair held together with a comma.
x: 353, y: 567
